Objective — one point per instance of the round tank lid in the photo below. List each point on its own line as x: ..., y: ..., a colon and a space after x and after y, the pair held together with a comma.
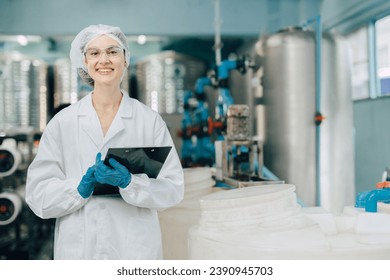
x: 246, y: 196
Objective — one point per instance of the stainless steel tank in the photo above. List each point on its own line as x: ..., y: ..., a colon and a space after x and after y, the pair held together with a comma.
x: 290, y: 101
x: 38, y: 112
x: 23, y: 92
x: 67, y: 89
x: 162, y: 79
x: 337, y: 160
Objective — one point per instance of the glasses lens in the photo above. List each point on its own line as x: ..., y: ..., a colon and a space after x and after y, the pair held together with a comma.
x: 111, y: 52
x: 93, y: 53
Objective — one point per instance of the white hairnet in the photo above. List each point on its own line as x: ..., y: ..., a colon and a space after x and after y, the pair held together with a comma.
x: 81, y: 41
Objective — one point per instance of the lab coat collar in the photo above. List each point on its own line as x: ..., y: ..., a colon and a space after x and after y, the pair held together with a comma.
x: 90, y: 123
x: 125, y: 108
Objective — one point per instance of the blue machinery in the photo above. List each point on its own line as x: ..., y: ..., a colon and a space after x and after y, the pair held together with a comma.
x: 238, y: 159
x: 198, y: 128
x: 22, y: 234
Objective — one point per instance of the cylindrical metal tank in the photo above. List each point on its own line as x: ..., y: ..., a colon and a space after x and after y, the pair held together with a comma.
x: 289, y: 99
x: 39, y: 95
x: 337, y: 160
x: 67, y: 89
x: 162, y: 79
x: 290, y: 107
x: 23, y: 92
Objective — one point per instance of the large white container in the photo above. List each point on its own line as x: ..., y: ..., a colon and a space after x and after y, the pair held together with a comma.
x: 176, y: 221
x: 266, y: 222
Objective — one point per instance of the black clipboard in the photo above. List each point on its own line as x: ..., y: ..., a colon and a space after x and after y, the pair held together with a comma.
x: 148, y: 160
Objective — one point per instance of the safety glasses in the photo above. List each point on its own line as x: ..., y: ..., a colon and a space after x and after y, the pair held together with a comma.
x: 111, y: 52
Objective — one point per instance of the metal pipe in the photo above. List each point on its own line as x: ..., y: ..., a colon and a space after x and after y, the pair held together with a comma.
x: 217, y: 38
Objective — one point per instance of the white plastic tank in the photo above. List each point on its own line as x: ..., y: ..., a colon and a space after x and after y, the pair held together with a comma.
x: 266, y: 222
x: 176, y: 221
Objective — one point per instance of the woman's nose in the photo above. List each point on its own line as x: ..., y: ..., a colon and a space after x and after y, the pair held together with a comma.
x: 104, y: 58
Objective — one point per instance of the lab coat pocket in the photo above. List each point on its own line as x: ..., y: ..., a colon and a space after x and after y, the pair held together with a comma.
x: 68, y: 244
x: 144, y: 236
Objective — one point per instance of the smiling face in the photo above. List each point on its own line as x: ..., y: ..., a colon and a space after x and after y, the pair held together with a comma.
x: 105, y: 61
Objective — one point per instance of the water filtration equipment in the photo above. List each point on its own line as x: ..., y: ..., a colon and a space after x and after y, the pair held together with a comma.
x: 67, y: 88
x: 164, y: 77
x: 290, y: 108
x: 23, y: 92
x: 22, y: 234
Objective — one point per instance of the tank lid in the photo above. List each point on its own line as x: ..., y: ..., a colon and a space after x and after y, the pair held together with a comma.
x: 246, y: 196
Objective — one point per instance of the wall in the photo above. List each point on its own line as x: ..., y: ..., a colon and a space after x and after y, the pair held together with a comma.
x: 371, y: 116
x: 347, y: 15
x: 157, y: 17
x: 372, y: 134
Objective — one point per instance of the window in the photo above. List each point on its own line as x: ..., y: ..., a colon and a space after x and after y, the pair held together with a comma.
x: 371, y: 59
x: 383, y: 55
x: 358, y: 41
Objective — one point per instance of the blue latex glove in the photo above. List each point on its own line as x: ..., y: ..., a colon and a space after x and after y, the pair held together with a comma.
x: 87, y: 183
x: 117, y: 175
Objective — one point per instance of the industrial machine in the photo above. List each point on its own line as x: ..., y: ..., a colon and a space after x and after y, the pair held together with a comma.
x: 22, y: 234
x: 239, y: 158
x: 197, y: 146
x: 225, y: 141
x: 199, y: 129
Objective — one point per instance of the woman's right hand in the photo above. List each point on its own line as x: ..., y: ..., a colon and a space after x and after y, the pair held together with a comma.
x: 88, y: 182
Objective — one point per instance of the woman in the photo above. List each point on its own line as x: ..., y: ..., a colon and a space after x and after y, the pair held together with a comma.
x: 68, y: 165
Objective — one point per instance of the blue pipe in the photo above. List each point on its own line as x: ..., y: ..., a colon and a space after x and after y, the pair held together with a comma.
x: 374, y: 196
x: 318, y: 52
x: 201, y: 83
x: 225, y: 67
x: 268, y: 174
x: 318, y: 108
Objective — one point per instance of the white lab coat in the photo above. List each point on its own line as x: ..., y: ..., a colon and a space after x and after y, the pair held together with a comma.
x: 102, y: 227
